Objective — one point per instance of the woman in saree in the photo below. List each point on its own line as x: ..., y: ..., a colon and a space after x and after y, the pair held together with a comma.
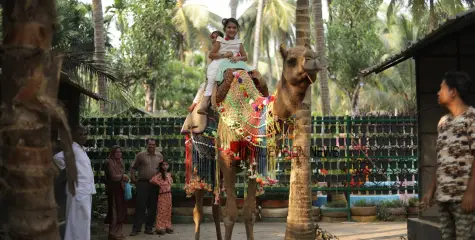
x: 115, y: 185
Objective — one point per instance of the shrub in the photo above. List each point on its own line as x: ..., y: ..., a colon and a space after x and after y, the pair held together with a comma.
x: 392, y: 204
x: 338, y: 204
x: 413, y: 202
x: 364, y: 203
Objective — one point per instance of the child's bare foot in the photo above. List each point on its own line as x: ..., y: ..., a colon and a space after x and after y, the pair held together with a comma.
x: 161, y: 232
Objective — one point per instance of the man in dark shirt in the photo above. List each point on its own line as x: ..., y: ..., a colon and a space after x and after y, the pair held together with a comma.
x: 146, y: 163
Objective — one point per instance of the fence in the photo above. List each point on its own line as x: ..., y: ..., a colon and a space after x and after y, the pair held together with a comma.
x: 363, y: 155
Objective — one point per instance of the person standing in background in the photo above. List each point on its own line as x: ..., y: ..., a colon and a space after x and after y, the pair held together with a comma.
x: 146, y: 163
x: 453, y: 187
x: 79, y: 207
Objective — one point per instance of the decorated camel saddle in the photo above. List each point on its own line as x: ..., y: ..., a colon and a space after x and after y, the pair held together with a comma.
x: 197, y: 123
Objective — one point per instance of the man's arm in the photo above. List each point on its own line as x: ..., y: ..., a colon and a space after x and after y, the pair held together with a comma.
x: 134, y: 167
x: 468, y: 200
x: 58, y: 160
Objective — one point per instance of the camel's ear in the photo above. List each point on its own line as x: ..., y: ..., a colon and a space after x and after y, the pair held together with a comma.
x: 283, y: 51
x: 308, y: 46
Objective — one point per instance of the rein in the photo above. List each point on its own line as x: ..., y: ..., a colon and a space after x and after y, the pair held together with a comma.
x: 310, y: 79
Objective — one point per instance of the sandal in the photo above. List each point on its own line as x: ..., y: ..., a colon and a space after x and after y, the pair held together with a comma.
x: 169, y: 230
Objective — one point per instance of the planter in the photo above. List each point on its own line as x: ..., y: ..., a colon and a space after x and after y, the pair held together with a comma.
x: 364, y: 214
x: 364, y: 211
x: 396, y: 211
x: 394, y: 214
x: 274, y: 212
x: 412, y: 211
x: 334, y: 212
x: 275, y: 203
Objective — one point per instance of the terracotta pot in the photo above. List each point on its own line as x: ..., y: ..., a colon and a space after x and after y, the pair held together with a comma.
x: 412, y: 211
x: 364, y: 218
x: 274, y: 212
x: 396, y: 211
x: 275, y: 203
x: 364, y: 211
x: 334, y: 212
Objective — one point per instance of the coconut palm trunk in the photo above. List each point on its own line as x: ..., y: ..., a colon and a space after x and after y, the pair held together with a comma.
x: 233, y: 4
x: 320, y: 47
x: 299, y: 220
x: 30, y: 81
x: 257, y: 34
x: 100, y: 47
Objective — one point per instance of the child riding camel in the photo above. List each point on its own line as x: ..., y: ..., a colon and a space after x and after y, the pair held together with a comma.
x: 226, y: 53
x: 214, y: 35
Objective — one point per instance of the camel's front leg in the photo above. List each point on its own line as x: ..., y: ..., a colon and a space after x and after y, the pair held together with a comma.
x: 249, y: 208
x: 229, y: 175
x: 198, y: 212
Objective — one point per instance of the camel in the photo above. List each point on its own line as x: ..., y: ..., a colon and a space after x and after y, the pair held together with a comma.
x: 236, y: 141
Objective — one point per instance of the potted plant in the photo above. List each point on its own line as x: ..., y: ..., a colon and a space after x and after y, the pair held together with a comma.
x: 413, y: 207
x: 392, y: 210
x: 336, y: 211
x: 364, y: 211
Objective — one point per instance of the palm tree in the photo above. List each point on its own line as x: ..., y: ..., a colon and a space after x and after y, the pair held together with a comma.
x: 320, y: 47
x: 99, y: 46
x: 192, y: 21
x: 30, y: 122
x: 277, y: 27
x: 118, y: 11
x: 257, y: 34
x: 438, y: 10
x: 299, y: 221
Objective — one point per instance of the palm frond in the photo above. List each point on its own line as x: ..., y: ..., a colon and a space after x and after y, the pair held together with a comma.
x: 80, y: 63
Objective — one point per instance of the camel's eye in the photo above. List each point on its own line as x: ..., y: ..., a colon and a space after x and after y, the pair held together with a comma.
x: 292, y: 62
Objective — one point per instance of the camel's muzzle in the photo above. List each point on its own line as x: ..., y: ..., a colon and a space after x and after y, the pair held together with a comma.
x: 311, y: 63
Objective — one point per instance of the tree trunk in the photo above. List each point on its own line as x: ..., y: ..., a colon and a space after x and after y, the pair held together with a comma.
x: 154, y: 105
x: 257, y: 34
x: 320, y: 47
x: 354, y: 100
x: 100, y: 47
x: 29, y: 85
x: 432, y: 18
x: 148, y: 107
x: 299, y: 219
x: 233, y: 4
x: 276, y: 62
x: 271, y: 80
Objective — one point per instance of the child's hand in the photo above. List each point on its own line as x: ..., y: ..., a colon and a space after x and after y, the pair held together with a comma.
x: 228, y: 55
x: 235, y: 59
x: 190, y: 108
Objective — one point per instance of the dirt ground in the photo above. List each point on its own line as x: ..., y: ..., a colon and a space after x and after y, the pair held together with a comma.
x: 273, y: 231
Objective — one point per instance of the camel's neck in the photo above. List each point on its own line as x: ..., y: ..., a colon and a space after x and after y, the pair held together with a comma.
x: 288, y: 98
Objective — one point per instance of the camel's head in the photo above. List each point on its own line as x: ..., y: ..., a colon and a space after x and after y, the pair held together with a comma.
x: 300, y: 65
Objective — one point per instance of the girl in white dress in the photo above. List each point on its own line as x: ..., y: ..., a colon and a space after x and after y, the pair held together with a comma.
x: 214, y: 35
x: 226, y: 53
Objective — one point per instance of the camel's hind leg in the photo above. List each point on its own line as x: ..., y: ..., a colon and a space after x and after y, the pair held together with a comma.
x: 198, y: 212
x: 229, y: 175
x: 249, y: 208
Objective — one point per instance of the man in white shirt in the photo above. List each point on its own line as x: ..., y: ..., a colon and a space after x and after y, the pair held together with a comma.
x: 79, y: 207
